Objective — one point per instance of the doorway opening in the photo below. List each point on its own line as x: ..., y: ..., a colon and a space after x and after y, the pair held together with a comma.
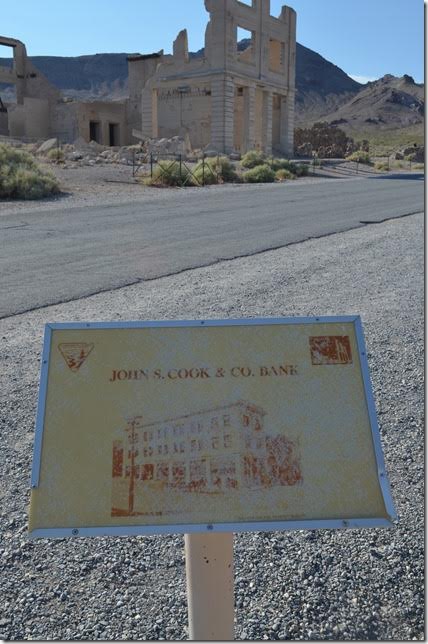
x: 95, y: 131
x: 113, y: 134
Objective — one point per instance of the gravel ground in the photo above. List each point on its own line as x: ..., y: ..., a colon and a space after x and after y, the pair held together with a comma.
x: 337, y: 585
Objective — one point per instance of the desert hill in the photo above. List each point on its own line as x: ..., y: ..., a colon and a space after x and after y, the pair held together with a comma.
x: 321, y: 86
x: 390, y: 102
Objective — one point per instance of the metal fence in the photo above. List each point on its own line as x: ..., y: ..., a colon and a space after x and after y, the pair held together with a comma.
x: 178, y: 170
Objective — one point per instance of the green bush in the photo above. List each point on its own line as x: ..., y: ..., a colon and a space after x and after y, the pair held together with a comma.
x: 302, y: 170
x: 360, y: 156
x: 381, y: 165
x: 252, y: 159
x: 216, y: 169
x: 206, y: 175
x: 282, y: 175
x: 283, y: 164
x: 22, y: 178
x: 226, y: 169
x: 259, y: 174
x: 56, y: 154
x: 167, y: 173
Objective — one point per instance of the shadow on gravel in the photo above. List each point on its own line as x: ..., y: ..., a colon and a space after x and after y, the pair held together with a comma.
x: 417, y: 176
x: 59, y: 196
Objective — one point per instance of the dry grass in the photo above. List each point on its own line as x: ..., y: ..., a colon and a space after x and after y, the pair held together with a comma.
x: 22, y: 178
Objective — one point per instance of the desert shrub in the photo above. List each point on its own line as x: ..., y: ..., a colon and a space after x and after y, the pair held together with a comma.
x: 302, y: 170
x: 226, y: 169
x: 22, y: 178
x: 216, y: 169
x: 206, y: 175
x: 168, y: 173
x: 252, y: 159
x: 360, y: 156
x: 283, y: 164
x: 56, y: 154
x: 282, y: 175
x: 259, y: 174
x: 381, y: 165
x: 418, y: 166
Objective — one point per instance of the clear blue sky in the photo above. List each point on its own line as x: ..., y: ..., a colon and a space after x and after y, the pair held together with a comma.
x: 365, y: 38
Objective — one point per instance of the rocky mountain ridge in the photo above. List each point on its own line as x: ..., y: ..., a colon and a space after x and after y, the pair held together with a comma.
x: 389, y: 102
x: 320, y: 84
x: 324, y: 91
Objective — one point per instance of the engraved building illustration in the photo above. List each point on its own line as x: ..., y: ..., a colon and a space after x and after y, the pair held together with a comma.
x: 205, y: 452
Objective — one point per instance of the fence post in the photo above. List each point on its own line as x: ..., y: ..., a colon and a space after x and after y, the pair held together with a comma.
x: 203, y: 168
x: 151, y: 165
x: 410, y: 164
x: 133, y: 163
x: 388, y: 162
x: 181, y: 178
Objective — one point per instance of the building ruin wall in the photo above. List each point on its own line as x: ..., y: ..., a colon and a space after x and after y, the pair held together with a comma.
x: 239, y: 100
x: 225, y: 100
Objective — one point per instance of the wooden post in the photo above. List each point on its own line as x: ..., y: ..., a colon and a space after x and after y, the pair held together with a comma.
x: 210, y: 585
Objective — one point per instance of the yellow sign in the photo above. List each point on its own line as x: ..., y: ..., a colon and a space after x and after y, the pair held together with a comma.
x: 206, y: 425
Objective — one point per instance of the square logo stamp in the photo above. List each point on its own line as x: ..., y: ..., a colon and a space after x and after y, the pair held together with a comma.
x: 330, y: 349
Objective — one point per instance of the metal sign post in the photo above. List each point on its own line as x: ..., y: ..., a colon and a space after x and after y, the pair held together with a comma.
x: 210, y: 585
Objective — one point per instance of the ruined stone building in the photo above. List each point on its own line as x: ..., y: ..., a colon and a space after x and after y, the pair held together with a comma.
x: 41, y: 111
x: 226, y: 99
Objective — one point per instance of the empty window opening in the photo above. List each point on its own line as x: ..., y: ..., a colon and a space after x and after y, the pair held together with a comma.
x: 6, y: 56
x: 95, y: 131
x: 7, y: 94
x: 245, y: 45
x: 276, y: 55
x: 7, y: 90
x: 249, y: 3
x: 113, y: 134
x: 244, y: 38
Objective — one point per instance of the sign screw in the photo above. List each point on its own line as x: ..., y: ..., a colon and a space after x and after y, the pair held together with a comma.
x: 75, y: 532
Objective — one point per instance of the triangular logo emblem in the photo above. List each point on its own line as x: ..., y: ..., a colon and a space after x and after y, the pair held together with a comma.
x: 75, y: 353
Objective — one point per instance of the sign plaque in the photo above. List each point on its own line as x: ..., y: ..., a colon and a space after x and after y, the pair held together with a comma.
x: 208, y: 425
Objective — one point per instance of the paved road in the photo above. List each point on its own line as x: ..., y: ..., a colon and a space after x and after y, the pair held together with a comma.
x: 60, y: 255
